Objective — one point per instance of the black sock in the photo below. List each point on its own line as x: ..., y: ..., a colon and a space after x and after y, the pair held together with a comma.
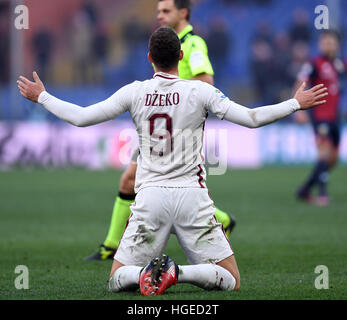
x: 126, y: 196
x: 320, y: 170
x: 322, y: 179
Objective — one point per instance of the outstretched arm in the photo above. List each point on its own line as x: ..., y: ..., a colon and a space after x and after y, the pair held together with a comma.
x: 74, y: 114
x: 254, y: 118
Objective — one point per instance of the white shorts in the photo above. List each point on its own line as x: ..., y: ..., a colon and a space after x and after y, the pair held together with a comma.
x: 186, y: 212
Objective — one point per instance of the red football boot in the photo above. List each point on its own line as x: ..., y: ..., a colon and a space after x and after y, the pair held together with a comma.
x: 159, y: 275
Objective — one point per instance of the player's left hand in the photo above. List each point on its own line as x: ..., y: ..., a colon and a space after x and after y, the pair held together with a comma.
x: 30, y: 90
x: 312, y: 97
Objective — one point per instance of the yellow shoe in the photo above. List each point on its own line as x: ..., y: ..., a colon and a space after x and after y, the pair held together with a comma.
x: 104, y: 253
x: 230, y: 226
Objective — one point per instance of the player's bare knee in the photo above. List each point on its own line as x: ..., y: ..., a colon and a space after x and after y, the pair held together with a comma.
x: 325, y: 151
x: 237, y: 285
x: 230, y: 265
x: 116, y: 265
x: 236, y: 276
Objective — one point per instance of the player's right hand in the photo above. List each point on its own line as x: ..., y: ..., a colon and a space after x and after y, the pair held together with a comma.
x: 30, y: 90
x: 312, y: 97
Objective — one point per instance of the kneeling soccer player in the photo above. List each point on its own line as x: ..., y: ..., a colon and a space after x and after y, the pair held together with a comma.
x: 170, y: 180
x: 195, y: 65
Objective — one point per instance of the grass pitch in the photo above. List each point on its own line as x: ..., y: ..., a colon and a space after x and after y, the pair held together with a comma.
x: 50, y: 220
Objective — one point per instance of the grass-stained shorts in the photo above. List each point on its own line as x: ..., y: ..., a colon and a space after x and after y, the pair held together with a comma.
x: 186, y: 212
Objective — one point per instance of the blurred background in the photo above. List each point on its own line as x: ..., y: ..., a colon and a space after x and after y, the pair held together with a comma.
x: 84, y: 50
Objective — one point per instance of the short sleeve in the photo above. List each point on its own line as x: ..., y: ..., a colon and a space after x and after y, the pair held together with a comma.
x: 198, y: 56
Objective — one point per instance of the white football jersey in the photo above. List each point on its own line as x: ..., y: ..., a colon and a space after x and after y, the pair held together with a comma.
x: 169, y: 114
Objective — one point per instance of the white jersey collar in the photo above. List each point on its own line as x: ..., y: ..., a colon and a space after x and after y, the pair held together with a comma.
x: 165, y: 75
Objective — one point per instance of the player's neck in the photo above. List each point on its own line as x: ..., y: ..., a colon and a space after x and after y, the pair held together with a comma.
x: 181, y: 25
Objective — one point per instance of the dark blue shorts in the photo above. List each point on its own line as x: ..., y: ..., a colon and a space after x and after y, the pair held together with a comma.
x: 327, y: 131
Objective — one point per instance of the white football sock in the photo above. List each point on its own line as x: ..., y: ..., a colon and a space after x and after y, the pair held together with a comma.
x: 207, y: 276
x: 125, y: 278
